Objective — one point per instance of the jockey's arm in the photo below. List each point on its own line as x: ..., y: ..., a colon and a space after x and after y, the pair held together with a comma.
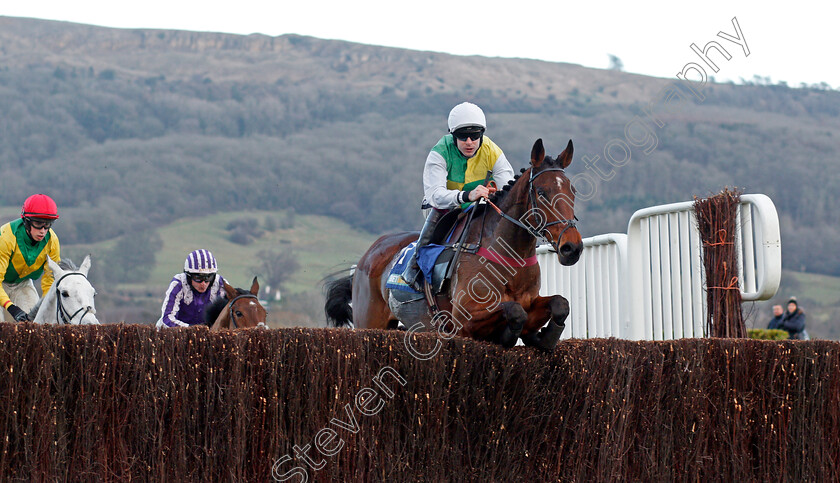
x: 7, y: 247
x: 502, y: 171
x: 171, y: 305
x: 434, y: 184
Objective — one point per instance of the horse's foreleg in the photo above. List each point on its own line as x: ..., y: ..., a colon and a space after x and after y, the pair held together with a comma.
x: 516, y: 317
x: 557, y: 308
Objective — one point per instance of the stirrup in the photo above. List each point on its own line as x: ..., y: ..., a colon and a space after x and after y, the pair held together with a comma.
x: 416, y: 280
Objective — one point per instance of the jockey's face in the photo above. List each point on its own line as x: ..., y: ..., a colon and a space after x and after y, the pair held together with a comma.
x: 468, y: 146
x: 200, y: 287
x: 38, y: 228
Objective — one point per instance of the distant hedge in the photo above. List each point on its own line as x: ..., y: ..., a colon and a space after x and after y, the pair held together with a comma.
x: 768, y: 334
x: 121, y: 402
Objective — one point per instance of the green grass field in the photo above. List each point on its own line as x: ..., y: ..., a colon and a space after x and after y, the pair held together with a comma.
x: 822, y: 289
x: 322, y: 245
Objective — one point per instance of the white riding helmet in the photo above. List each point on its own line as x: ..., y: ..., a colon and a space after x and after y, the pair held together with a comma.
x: 466, y: 114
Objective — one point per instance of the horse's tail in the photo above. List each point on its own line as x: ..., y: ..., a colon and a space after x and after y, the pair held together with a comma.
x: 339, y: 294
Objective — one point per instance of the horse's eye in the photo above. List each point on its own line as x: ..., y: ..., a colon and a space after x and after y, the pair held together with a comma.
x: 65, y: 293
x: 238, y: 313
x: 541, y: 192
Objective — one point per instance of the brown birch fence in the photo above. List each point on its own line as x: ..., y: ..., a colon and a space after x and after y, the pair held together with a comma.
x: 121, y: 402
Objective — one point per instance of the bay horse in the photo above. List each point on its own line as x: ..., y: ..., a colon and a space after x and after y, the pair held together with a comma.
x: 70, y: 299
x: 238, y: 309
x: 494, y: 292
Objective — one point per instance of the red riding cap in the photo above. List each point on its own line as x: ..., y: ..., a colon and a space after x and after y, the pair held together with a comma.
x: 39, y: 206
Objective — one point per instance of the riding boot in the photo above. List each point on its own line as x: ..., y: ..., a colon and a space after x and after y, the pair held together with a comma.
x: 412, y: 273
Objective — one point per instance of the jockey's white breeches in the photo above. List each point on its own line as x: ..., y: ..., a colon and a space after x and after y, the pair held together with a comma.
x: 22, y: 294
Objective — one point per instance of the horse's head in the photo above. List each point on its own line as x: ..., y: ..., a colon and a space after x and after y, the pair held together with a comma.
x: 73, y: 295
x: 552, y: 198
x: 243, y: 307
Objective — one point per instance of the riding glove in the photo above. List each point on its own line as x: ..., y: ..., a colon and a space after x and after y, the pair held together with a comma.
x: 18, y: 313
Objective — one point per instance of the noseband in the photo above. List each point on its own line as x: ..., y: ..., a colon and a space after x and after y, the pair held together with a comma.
x: 61, y: 313
x: 233, y: 315
x: 532, y: 201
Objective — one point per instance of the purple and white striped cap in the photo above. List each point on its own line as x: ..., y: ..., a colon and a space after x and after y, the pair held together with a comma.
x: 200, y: 261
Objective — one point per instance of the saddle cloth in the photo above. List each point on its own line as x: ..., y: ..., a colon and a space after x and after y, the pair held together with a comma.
x: 431, y: 263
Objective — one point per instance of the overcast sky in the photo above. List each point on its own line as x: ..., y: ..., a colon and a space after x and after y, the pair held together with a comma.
x: 793, y: 42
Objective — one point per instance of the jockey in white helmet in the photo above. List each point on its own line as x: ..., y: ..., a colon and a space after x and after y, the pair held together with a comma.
x: 454, y: 173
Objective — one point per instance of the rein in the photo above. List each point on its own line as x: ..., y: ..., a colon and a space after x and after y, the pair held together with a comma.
x: 230, y: 308
x: 532, y: 200
x: 61, y: 313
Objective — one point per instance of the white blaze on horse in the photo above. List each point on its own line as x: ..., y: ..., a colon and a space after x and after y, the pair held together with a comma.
x: 70, y: 299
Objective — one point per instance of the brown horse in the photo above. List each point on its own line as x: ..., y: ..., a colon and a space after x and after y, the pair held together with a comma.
x: 494, y: 292
x: 239, y: 309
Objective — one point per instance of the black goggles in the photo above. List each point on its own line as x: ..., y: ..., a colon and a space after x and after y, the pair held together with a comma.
x: 40, y: 224
x: 463, y: 136
x: 202, y: 277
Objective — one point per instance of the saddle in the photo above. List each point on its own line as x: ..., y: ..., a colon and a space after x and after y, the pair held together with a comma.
x: 436, y: 258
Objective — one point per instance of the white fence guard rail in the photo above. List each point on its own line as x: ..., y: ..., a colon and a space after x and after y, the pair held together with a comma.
x: 650, y: 283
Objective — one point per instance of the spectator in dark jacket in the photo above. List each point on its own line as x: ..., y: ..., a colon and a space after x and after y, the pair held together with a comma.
x: 792, y: 321
x: 776, y: 321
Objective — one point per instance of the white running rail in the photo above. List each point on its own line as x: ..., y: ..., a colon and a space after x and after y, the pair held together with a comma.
x: 650, y: 283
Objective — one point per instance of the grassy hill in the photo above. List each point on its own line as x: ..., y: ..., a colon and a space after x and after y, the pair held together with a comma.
x: 322, y: 245
x: 173, y: 124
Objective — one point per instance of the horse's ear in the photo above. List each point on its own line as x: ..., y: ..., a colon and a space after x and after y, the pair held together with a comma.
x: 56, y: 270
x: 565, y: 158
x: 229, y: 291
x: 255, y: 287
x: 537, y: 153
x: 85, y: 266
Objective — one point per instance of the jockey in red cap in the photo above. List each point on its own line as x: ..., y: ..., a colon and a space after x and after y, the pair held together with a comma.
x: 24, y: 247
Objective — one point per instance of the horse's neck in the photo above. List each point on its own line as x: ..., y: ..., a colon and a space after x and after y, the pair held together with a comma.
x: 502, y: 236
x: 222, y: 320
x: 47, y: 310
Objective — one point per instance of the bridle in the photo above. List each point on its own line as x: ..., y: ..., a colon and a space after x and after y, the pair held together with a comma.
x: 61, y: 313
x: 532, y: 201
x: 232, y: 315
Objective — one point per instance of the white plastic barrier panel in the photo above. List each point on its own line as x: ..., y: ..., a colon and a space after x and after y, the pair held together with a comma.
x: 650, y: 283
x: 592, y: 286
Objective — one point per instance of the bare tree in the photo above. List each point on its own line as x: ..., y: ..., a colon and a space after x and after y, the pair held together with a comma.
x: 276, y: 267
x: 616, y: 63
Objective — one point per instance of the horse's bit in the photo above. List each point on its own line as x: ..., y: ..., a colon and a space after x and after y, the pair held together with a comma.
x: 532, y: 199
x: 233, y: 315
x: 61, y: 313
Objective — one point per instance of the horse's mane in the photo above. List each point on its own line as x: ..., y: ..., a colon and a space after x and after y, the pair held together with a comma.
x: 68, y: 264
x: 211, y: 313
x: 65, y: 264
x: 499, y: 196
